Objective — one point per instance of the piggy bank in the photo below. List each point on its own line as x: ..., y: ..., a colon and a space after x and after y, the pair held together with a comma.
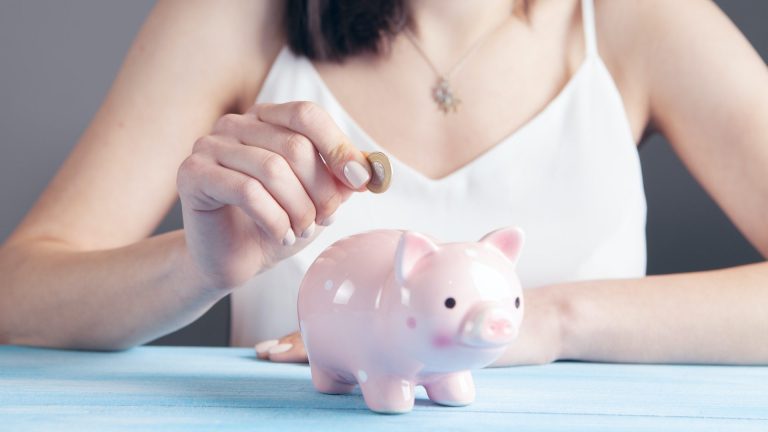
x: 389, y: 310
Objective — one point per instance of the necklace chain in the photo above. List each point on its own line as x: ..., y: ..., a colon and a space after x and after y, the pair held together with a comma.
x: 442, y: 93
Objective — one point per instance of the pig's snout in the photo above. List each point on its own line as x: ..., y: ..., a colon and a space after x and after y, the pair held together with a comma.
x: 489, y: 326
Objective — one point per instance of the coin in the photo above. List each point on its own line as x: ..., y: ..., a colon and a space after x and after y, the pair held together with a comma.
x: 381, y: 172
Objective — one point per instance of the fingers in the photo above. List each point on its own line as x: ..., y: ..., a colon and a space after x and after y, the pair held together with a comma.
x: 290, y: 167
x: 277, y: 177
x: 325, y: 191
x: 346, y: 162
x: 206, y: 186
x: 288, y: 349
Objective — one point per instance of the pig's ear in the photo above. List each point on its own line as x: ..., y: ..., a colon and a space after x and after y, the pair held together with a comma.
x: 412, y: 247
x: 508, y: 241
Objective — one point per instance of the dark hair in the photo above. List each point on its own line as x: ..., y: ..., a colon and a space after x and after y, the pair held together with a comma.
x: 336, y: 29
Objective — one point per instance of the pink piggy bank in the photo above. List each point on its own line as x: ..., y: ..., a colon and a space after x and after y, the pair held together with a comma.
x: 390, y: 310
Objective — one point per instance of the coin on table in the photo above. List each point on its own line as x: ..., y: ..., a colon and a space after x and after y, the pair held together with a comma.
x: 381, y: 172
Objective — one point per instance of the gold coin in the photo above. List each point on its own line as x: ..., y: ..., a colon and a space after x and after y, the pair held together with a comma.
x: 381, y: 172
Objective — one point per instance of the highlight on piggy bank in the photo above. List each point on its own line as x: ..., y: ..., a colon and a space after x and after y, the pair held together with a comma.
x: 390, y: 309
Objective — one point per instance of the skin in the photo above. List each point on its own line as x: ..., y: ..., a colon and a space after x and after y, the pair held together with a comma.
x: 247, y: 174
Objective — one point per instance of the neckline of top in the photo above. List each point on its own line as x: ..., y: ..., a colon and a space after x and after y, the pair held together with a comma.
x: 502, y: 144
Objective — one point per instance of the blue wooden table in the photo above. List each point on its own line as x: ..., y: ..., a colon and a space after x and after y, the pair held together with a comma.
x: 169, y: 389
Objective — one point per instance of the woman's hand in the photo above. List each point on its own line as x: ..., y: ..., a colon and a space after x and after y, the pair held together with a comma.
x: 540, y: 340
x: 254, y: 190
x: 288, y: 349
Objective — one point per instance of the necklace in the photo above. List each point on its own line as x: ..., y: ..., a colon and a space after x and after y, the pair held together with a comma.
x: 442, y: 93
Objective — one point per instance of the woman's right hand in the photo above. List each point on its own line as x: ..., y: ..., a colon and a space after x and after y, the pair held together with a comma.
x: 255, y: 189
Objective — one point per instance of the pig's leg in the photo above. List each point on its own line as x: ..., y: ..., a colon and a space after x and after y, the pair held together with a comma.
x: 455, y: 389
x: 387, y: 395
x: 327, y: 382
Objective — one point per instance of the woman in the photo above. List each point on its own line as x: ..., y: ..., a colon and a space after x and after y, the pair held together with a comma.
x: 540, y: 107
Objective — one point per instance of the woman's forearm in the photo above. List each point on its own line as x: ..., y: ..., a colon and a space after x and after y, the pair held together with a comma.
x: 53, y: 296
x: 718, y: 316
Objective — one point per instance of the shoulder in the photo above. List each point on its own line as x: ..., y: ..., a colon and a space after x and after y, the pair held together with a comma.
x: 232, y: 42
x: 243, y: 23
x: 642, y: 26
x: 639, y: 40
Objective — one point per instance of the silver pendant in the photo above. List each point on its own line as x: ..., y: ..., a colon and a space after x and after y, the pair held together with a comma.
x: 444, y: 97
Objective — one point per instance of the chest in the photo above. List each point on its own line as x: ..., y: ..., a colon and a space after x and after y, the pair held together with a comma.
x: 502, y: 86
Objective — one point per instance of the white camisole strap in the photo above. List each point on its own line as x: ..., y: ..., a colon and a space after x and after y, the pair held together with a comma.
x: 588, y: 22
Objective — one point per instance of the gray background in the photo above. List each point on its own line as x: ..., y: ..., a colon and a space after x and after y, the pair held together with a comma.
x: 58, y: 59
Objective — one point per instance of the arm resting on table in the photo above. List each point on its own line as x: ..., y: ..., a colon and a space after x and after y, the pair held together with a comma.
x: 111, y: 299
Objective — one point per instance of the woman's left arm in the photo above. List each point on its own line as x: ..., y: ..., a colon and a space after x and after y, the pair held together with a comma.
x: 707, y: 92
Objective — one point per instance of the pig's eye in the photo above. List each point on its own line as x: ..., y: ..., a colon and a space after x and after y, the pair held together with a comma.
x: 450, y: 302
x: 517, y: 303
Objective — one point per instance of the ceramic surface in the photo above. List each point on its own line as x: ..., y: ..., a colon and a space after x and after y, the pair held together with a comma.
x: 390, y: 310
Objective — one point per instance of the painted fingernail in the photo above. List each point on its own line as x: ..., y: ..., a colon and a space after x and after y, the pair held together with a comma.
x: 263, y: 347
x: 290, y: 238
x: 281, y: 348
x: 309, y: 231
x: 356, y: 174
x: 329, y: 220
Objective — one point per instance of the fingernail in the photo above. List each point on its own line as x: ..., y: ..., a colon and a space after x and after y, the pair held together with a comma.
x: 329, y: 220
x: 356, y: 174
x: 309, y: 231
x: 262, y: 347
x: 277, y: 349
x: 290, y: 238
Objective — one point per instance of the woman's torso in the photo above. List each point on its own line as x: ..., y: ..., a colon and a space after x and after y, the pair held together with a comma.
x: 567, y: 173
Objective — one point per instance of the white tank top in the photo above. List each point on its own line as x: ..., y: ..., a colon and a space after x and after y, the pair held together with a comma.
x: 570, y: 177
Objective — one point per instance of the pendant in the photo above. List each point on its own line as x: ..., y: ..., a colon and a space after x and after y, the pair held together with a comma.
x: 443, y: 96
